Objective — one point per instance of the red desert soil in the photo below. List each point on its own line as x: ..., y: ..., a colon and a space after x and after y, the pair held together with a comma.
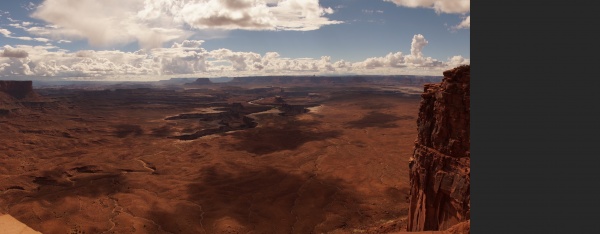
x: 87, y: 167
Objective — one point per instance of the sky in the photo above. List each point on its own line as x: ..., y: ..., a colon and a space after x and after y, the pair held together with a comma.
x: 159, y: 39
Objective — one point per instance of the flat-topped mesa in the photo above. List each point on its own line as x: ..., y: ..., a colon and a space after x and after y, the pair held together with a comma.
x: 17, y: 89
x: 202, y: 81
x: 333, y: 80
x: 440, y: 168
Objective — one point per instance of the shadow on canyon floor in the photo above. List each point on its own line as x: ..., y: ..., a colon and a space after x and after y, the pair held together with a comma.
x: 378, y: 120
x: 124, y: 130
x: 287, y: 135
x: 224, y: 197
x: 237, y: 198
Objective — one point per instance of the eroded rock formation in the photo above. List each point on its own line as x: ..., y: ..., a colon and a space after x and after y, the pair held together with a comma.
x: 440, y: 168
x: 15, y: 95
x: 16, y: 89
x: 291, y: 110
x: 232, y: 117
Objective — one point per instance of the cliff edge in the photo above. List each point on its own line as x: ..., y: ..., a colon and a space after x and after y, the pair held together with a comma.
x: 440, y: 175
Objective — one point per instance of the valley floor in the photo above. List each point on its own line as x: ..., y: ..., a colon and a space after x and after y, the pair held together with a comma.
x: 103, y: 167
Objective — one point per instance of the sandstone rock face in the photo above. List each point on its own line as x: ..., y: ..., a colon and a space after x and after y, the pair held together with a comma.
x: 17, y: 89
x: 440, y: 168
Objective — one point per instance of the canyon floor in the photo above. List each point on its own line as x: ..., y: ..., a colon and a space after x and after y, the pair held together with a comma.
x: 161, y: 161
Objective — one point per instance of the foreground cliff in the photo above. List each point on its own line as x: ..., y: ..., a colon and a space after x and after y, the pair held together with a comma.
x: 440, y: 168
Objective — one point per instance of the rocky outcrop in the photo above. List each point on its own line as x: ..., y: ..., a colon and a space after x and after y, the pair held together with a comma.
x: 17, y: 89
x: 15, y: 95
x: 291, y: 110
x: 440, y: 167
x: 229, y: 118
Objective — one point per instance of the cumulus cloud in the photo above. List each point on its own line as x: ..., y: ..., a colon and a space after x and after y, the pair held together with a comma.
x: 114, y: 22
x: 415, y: 61
x: 154, y: 22
x: 189, y: 58
x: 458, y: 60
x: 440, y: 6
x: 416, y: 47
x: 10, y: 52
x: 238, y: 60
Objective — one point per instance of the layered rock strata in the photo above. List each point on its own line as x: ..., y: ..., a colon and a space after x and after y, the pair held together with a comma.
x: 440, y: 167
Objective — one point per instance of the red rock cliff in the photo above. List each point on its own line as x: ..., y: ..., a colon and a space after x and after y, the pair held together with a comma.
x: 17, y: 89
x: 440, y: 175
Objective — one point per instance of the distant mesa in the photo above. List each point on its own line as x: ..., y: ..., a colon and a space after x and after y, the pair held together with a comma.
x: 15, y: 95
x: 17, y: 89
x: 202, y: 81
x: 440, y: 177
x: 176, y: 81
x: 209, y: 81
x: 334, y: 80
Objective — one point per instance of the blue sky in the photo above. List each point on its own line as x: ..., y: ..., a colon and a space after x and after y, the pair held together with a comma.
x: 155, y: 39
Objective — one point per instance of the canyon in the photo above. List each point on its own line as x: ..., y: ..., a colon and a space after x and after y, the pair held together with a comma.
x: 140, y: 158
x: 256, y: 155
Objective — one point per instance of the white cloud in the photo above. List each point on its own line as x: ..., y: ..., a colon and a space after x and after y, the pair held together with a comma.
x: 41, y: 31
x: 9, y: 34
x: 465, y: 24
x: 189, y: 58
x: 114, y: 22
x: 22, y: 25
x: 188, y: 44
x: 23, y: 38
x: 440, y: 6
x: 154, y: 22
x: 416, y: 47
x: 458, y: 60
x: 5, y: 32
x: 240, y: 61
x: 372, y: 11
x: 414, y: 63
x: 30, y: 6
x: 342, y: 65
x: 17, y: 26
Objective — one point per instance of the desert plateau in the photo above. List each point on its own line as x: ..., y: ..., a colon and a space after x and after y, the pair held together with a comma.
x: 208, y: 158
x: 232, y: 157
